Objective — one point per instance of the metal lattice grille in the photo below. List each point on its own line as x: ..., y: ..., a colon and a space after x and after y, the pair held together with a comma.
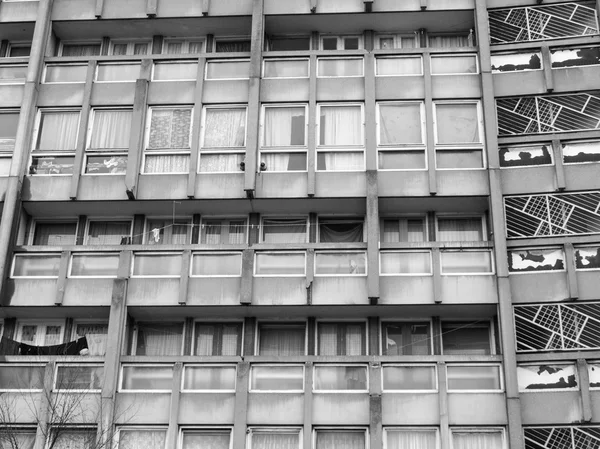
x: 552, y: 214
x: 548, y: 113
x: 547, y: 327
x: 542, y: 22
x: 562, y: 437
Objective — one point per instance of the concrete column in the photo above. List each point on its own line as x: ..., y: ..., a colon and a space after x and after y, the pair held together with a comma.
x: 247, y: 276
x: 584, y: 389
x: 571, y: 273
x: 61, y: 282
x: 558, y: 164
x: 184, y: 280
x: 249, y: 336
x: 151, y: 8
x: 241, y: 405
x: 375, y: 409
x: 196, y: 126
x: 547, y: 66
x: 308, y: 406
x: 372, y: 237
x: 98, y: 8
x: 443, y: 404
x: 173, y: 429
x: 429, y: 128
x: 43, y: 412
x: 311, y: 141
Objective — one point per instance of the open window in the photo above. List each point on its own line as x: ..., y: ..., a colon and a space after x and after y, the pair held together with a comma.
x: 108, y: 141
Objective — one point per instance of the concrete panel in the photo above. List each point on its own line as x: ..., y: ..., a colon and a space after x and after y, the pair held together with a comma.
x: 587, y: 283
x: 11, y: 94
x: 406, y: 290
x: 341, y: 89
x: 171, y: 92
x: 217, y: 91
x: 118, y: 9
x: 18, y: 12
x: 539, y: 287
x: 582, y: 176
x: 206, y: 408
x: 433, y: 5
x: 46, y: 188
x: 229, y: 7
x: 279, y: 7
x: 112, y: 94
x: 557, y: 407
x: 74, y: 10
x: 462, y: 182
x: 68, y: 94
x: 519, y: 83
x: 101, y: 188
x: 341, y: 184
x: 88, y: 292
x: 340, y: 6
x: 279, y: 290
x: 24, y: 405
x: 273, y: 408
x: 281, y: 185
x: 287, y: 90
x: 153, y: 292
x: 455, y: 86
x: 394, y: 5
x: 585, y: 78
x: 340, y: 290
x: 3, y: 186
x: 334, y: 408
x: 476, y: 409
x: 83, y: 410
x: 469, y: 289
x: 410, y: 408
x: 142, y: 408
x: 216, y: 185
x: 528, y: 179
x: 399, y: 87
x: 214, y: 291
x: 180, y: 8
x: 31, y: 292
x: 403, y: 183
x: 170, y: 187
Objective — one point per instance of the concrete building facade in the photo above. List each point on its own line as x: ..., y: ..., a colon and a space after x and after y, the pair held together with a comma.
x: 305, y: 224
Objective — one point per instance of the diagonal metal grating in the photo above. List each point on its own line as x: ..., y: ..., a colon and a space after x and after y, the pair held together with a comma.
x: 573, y: 437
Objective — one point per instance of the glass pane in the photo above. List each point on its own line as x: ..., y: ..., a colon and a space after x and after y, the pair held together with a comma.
x: 275, y: 439
x: 457, y: 123
x: 75, y: 438
x: 147, y: 378
x: 96, y: 335
x: 546, y: 376
x: 528, y: 260
x: 523, y: 156
x: 575, y: 57
x: 473, y: 377
x: 167, y: 232
x: 224, y: 128
x: 13, y: 74
x: 154, y: 339
x: 79, y: 378
x: 19, y: 51
x: 405, y: 263
x: 587, y: 258
x: 157, y: 265
x: 217, y: 264
x: 5, y: 163
x: 118, y: 72
x: 458, y: 159
x: 401, y: 160
x: 146, y: 439
x: 94, y: 265
x: 403, y: 230
x: 228, y: 70
x: 175, y: 71
x: 278, y: 162
x: 212, y: 163
x: 284, y: 127
x: 574, y: 152
x: 232, y: 46
x: 398, y: 66
x: 329, y: 43
x: 21, y: 377
x: 58, y: 131
x: 8, y: 131
x: 341, y: 230
x: 284, y: 340
x: 170, y: 129
x: 466, y: 262
x: 52, y: 165
x: 288, y: 43
x: 340, y: 126
x: 341, y: 338
x: 109, y: 164
x: 216, y: 232
x: 23, y: 438
x: 65, y: 73
x: 213, y: 439
x: 516, y: 61
x: 460, y: 229
x: 468, y: 440
x: 340, y: 67
x: 167, y: 163
x: 284, y: 230
x: 108, y: 232
x: 272, y: 378
x: 218, y: 339
x: 280, y: 264
x: 54, y: 234
x: 400, y: 123
x: 340, y: 263
x: 341, y: 161
x: 34, y: 266
x: 337, y: 439
x: 412, y: 439
x: 209, y: 378
x: 81, y: 50
x: 351, y: 43
x: 409, y: 378
x: 466, y: 338
x: 406, y: 339
x: 111, y: 129
x: 340, y: 378
x: 453, y: 64
x: 293, y: 68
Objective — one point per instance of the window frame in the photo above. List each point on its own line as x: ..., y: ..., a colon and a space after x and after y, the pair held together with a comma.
x: 532, y: 51
x: 340, y: 217
x: 382, y: 323
x: 228, y: 219
x: 363, y: 252
x: 15, y: 81
x: 89, y: 322
x: 278, y: 324
x: 34, y: 224
x: 455, y: 55
x: 364, y: 337
x: 89, y: 221
x: 343, y: 365
x: 489, y: 324
x: 341, y: 41
x: 58, y: 64
x: 123, y: 365
x: 158, y: 254
x: 208, y: 365
x: 265, y: 60
x: 277, y: 365
x: 490, y: 429
x: 560, y: 248
x: 178, y: 80
x: 8, y: 154
x: 407, y: 217
x: 135, y: 336
x: 584, y: 246
x: 565, y: 142
x: 109, y: 63
x: 131, y: 43
x: 191, y: 275
x: 498, y: 365
x: 213, y: 322
x: 347, y: 428
x: 126, y: 427
x: 102, y: 152
x: 436, y: 430
x: 17, y: 44
x: 395, y: 251
x: 78, y: 42
x: 466, y: 216
x: 341, y: 58
x: 397, y: 38
x: 469, y: 250
x: 185, y: 44
x: 22, y: 390
x: 436, y: 378
x: 36, y: 254
x: 179, y: 221
x: 40, y: 324
x: 251, y: 430
x: 406, y: 56
x: 104, y: 253
x: 280, y: 253
x: 217, y: 61
x: 220, y: 39
x: 524, y: 146
x: 75, y: 390
x: 282, y: 217
x: 200, y: 429
x: 551, y: 390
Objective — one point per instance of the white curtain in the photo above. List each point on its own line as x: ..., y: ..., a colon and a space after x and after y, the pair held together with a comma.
x: 451, y: 41
x: 81, y: 50
x: 142, y: 439
x: 209, y: 378
x: 275, y: 440
x: 223, y: 162
x: 170, y: 129
x: 341, y: 161
x: 400, y: 123
x: 216, y: 264
x: 282, y: 340
x: 217, y: 339
x: 206, y: 440
x: 403, y: 230
x: 118, y: 72
x: 58, y: 131
x: 159, y: 339
x: 341, y: 231
x: 119, y: 49
x: 411, y: 439
x: 457, y: 123
x: 405, y: 263
x: 284, y: 231
x: 340, y: 67
x: 459, y: 229
x: 108, y: 232
x: 339, y: 439
x: 477, y: 440
x: 341, y: 339
x: 111, y: 129
x: 341, y: 378
x: 286, y: 68
x: 224, y: 128
x: 173, y: 47
x: 165, y: 232
x: 284, y: 127
x: 169, y: 71
x: 167, y: 163
x: 340, y: 126
x: 96, y: 336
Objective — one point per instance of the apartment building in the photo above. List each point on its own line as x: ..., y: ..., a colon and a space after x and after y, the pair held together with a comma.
x: 307, y: 224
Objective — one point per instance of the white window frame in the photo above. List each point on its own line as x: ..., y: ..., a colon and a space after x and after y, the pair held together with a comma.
x: 131, y: 43
x: 71, y: 276
x: 411, y: 429
x: 477, y: 430
x: 35, y: 221
x: 363, y: 430
x: 484, y: 230
x: 191, y: 275
x: 78, y: 42
x: 510, y: 250
x: 14, y: 259
x: 16, y: 81
x: 227, y: 218
x: 200, y: 429
x: 277, y: 217
x: 41, y: 324
x: 341, y: 217
x: 281, y: 324
x: 422, y: 217
x: 217, y: 61
x: 17, y: 44
x: 208, y: 365
x: 58, y: 64
x: 273, y: 430
x: 173, y: 62
x: 115, y: 81
x: 500, y: 378
x: 407, y: 56
x: 159, y: 254
x: 135, y: 330
x: 127, y: 427
x: 477, y: 324
x: 382, y: 323
x: 265, y: 60
x: 209, y: 322
x: 342, y: 252
x: 111, y: 220
x: 397, y: 37
x: 329, y: 58
x: 571, y: 47
x: 276, y: 365
x: 9, y: 154
x: 531, y: 51
x: 340, y: 41
x: 424, y: 250
x: 280, y: 253
x: 584, y: 246
x: 221, y: 39
x: 455, y: 55
x: 185, y: 44
x: 409, y: 365
x: 25, y: 365
x: 462, y: 250
x: 532, y: 146
x: 75, y: 365
x: 551, y: 390
x: 290, y: 149
x: 145, y: 365
x: 122, y: 152
x: 179, y: 221
x: 365, y: 324
x: 88, y: 321
x: 570, y: 141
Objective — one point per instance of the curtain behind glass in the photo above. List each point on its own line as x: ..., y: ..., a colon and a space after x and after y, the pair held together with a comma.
x: 341, y: 231
x: 55, y: 234
x: 275, y: 440
x: 224, y: 128
x: 411, y: 439
x: 142, y: 439
x: 477, y: 440
x: 340, y: 440
x: 340, y: 126
x: 282, y: 340
x: 450, y: 41
x: 96, y: 336
x: 284, y: 127
x: 108, y: 232
x: 58, y: 131
x: 460, y: 229
x: 284, y: 231
x: 217, y: 339
x: 403, y: 230
x: 210, y: 162
x: 206, y: 440
x: 457, y: 123
x: 159, y: 339
x: 340, y: 339
x: 170, y: 129
x: 166, y: 163
x: 400, y: 123
x: 81, y: 50
x: 232, y: 46
x: 73, y: 439
x: 164, y: 232
x: 111, y: 129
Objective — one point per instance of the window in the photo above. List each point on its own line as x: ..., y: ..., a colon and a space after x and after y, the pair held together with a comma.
x: 80, y: 48
x: 21, y: 377
x: 340, y: 263
x: 65, y: 73
x: 232, y: 45
x: 174, y: 46
x: 228, y: 69
x: 587, y: 258
x: 13, y: 74
x: 454, y: 65
x: 284, y: 138
x: 135, y: 438
x: 75, y: 437
x: 23, y: 437
x: 218, y: 339
x: 341, y: 230
x: 219, y: 264
x: 157, y: 338
x: 452, y: 40
x: 579, y: 152
x: 18, y: 49
x: 147, y: 378
x: 334, y: 338
x: 525, y: 155
x: 511, y: 62
x: 223, y: 139
x: 106, y: 72
x: 398, y: 66
x: 287, y: 43
x: 285, y: 68
x: 213, y: 439
x: 336, y: 67
x: 277, y: 378
x: 40, y: 334
x: 404, y: 229
x: 175, y: 71
x: 168, y: 148
x: 466, y: 338
x: 341, y: 42
x: 571, y: 57
x: 129, y: 47
x: 459, y: 229
x: 459, y: 135
x: 54, y: 149
x: 79, y: 377
x: 95, y: 265
x: 480, y: 437
x: 223, y: 231
x: 594, y: 374
x: 473, y: 377
x: 36, y: 265
x: 406, y: 338
x: 399, y: 263
x: 391, y: 41
x: 466, y: 262
x: 403, y: 438
x: 163, y: 231
x: 547, y: 377
x: 209, y: 378
x: 282, y: 339
x: 108, y: 232
x: 96, y: 334
x: 340, y: 378
x: 9, y: 121
x: 535, y: 260
x: 340, y: 145
x: 108, y: 141
x: 157, y: 265
x: 54, y: 233
x: 340, y: 438
x: 280, y: 264
x: 401, y: 139
x: 270, y: 438
x: 284, y: 230
x: 409, y: 378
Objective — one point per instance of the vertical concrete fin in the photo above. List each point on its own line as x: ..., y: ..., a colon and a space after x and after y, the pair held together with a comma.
x: 241, y: 405
x: 571, y: 272
x: 173, y: 429
x: 372, y: 237
x: 547, y: 66
x: 98, y: 8
x: 308, y: 406
x: 584, y: 389
x: 61, y: 282
x: 436, y: 269
x: 136, y: 140
x: 429, y: 122
x: 559, y: 165
x: 311, y: 142
x: 247, y: 276
x: 196, y: 126
x: 443, y: 404
x: 184, y: 280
